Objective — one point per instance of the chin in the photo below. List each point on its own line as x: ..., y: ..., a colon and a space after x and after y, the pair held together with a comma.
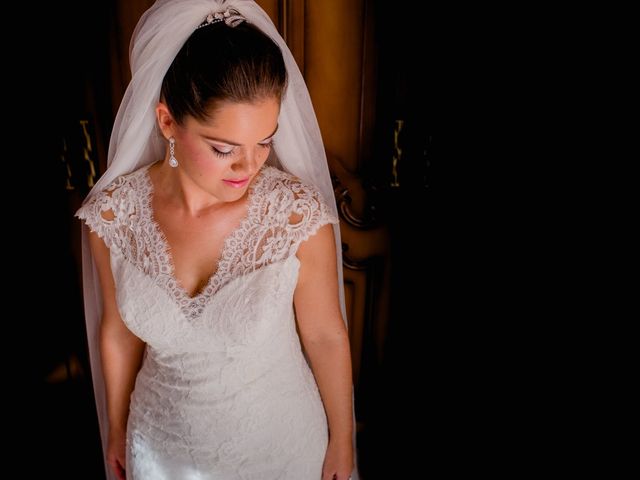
x: 232, y: 194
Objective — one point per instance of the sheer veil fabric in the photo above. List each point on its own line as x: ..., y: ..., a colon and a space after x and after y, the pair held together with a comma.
x: 157, y: 38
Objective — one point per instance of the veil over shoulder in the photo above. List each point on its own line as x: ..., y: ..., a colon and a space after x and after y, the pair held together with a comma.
x: 134, y: 143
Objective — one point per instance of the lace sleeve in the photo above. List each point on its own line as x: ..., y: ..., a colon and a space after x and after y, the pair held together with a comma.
x: 104, y: 214
x: 309, y: 212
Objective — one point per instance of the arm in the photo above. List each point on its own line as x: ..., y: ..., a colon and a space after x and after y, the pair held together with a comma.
x: 324, y: 336
x: 121, y: 354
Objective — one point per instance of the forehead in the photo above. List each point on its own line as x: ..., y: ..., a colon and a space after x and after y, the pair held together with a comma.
x: 241, y: 121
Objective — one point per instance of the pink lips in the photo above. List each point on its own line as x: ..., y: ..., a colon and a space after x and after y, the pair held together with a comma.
x: 237, y: 183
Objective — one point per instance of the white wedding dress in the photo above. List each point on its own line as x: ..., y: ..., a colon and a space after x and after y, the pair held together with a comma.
x: 225, y: 391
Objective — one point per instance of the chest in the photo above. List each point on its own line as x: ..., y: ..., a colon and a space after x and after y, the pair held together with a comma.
x: 195, y: 244
x: 249, y: 311
x: 190, y: 260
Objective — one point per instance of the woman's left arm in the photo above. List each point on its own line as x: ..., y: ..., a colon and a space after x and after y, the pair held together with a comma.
x: 326, y: 342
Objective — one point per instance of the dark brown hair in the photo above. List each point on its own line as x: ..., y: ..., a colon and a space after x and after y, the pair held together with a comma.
x: 222, y: 63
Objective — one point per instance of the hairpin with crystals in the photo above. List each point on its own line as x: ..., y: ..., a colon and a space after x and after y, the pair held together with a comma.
x: 230, y: 16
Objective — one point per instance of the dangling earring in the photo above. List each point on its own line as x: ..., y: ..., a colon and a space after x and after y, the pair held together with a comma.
x: 172, y: 158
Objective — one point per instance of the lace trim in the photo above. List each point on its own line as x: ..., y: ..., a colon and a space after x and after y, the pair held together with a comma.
x: 282, y: 213
x: 128, y: 232
x: 192, y: 307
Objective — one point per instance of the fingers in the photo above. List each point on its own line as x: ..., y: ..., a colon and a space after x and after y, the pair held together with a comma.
x: 335, y: 476
x: 117, y: 469
x: 121, y: 473
x: 328, y: 475
x: 339, y: 476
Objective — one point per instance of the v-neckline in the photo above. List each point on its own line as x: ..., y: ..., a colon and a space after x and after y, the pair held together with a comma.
x: 214, y: 282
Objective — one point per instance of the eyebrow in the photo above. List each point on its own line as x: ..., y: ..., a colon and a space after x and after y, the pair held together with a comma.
x: 228, y: 142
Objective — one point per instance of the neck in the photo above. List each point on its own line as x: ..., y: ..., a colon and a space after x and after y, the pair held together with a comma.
x: 179, y: 190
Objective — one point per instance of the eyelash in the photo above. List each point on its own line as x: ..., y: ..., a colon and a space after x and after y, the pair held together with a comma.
x: 226, y: 154
x: 221, y: 154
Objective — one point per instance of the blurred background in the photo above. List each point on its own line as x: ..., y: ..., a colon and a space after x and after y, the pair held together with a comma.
x: 370, y: 68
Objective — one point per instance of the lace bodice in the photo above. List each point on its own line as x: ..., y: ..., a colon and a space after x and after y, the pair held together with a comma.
x: 282, y: 213
x: 224, y: 390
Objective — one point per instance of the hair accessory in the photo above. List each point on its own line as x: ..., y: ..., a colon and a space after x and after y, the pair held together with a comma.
x: 172, y: 158
x: 230, y: 16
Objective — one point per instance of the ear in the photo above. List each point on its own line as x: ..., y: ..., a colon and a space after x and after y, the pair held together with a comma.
x: 166, y: 123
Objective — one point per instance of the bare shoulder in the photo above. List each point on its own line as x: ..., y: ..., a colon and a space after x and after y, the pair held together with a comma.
x: 317, y: 254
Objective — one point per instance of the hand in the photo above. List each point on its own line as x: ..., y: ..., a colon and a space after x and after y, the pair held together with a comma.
x: 116, y: 453
x: 338, y: 461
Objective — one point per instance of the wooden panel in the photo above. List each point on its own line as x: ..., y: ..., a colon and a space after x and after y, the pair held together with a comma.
x: 288, y: 17
x: 272, y: 7
x: 350, y: 293
x: 128, y: 12
x: 339, y: 66
x: 292, y: 15
x: 333, y: 70
x: 369, y: 88
x: 366, y: 294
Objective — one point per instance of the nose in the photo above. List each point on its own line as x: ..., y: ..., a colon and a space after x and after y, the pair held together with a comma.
x: 246, y: 162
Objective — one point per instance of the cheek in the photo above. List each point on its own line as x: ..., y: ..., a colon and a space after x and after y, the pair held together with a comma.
x: 208, y: 165
x: 204, y: 162
x: 263, y: 154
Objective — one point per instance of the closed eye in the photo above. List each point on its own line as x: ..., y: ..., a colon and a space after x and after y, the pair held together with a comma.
x: 221, y: 153
x: 225, y: 153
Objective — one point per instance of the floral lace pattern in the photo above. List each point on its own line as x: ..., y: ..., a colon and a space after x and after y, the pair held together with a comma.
x: 282, y: 213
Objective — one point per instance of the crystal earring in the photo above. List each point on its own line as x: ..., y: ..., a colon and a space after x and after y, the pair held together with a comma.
x: 172, y: 158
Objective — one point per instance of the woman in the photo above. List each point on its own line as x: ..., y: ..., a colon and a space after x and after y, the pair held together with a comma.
x: 212, y: 277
